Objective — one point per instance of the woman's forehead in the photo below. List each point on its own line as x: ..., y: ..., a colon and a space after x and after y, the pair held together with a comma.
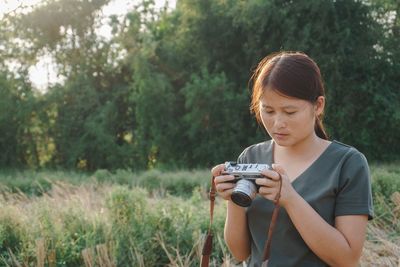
x: 272, y: 98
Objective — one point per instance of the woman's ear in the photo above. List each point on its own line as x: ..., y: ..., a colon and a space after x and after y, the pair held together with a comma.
x: 319, y: 105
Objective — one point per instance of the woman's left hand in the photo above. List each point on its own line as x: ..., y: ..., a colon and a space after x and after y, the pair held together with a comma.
x: 269, y: 186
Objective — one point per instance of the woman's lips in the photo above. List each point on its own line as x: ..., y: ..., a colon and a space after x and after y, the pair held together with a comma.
x: 280, y: 135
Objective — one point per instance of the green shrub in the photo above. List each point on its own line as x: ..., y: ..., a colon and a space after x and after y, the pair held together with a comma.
x: 102, y: 176
x: 35, y: 183
x: 77, y: 234
x: 385, y: 179
x: 13, y: 233
x: 127, y: 212
x: 178, y: 183
x: 386, y: 182
x: 159, y: 228
x: 27, y: 184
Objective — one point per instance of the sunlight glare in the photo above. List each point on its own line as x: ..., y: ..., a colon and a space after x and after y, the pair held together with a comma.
x: 7, y: 6
x: 44, y: 72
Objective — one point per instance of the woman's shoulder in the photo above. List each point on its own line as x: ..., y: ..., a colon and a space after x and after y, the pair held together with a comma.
x: 258, y: 152
x: 262, y: 146
x: 346, y: 152
x: 340, y: 147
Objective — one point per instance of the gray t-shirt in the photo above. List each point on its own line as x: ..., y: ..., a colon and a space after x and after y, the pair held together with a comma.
x: 337, y: 183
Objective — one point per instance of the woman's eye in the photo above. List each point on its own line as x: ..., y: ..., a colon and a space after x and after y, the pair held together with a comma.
x: 291, y: 112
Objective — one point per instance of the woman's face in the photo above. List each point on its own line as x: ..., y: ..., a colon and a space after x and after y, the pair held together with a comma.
x: 288, y: 120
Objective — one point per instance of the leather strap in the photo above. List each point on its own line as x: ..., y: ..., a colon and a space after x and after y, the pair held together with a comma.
x: 207, y: 247
x: 267, y: 246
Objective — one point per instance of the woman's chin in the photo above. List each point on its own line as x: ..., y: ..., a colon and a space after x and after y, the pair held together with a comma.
x: 281, y: 142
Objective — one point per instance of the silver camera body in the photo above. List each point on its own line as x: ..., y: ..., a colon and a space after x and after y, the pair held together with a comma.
x: 245, y: 175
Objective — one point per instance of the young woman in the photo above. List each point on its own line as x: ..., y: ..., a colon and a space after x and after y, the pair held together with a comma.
x: 326, y: 189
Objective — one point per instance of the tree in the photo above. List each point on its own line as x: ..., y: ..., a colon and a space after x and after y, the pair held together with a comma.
x: 170, y: 89
x: 17, y: 141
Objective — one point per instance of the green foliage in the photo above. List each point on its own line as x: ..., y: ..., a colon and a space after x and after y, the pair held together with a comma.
x: 156, y: 116
x: 93, y: 124
x: 128, y: 217
x: 168, y: 90
x: 13, y: 233
x: 178, y: 183
x: 386, y: 179
x: 143, y: 227
x: 35, y: 183
x: 385, y: 186
x: 213, y: 118
x: 17, y: 105
x: 8, y: 111
x: 79, y: 233
x: 48, y: 26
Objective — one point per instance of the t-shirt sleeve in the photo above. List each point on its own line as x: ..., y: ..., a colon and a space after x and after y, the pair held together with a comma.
x: 354, y: 196
x: 242, y: 158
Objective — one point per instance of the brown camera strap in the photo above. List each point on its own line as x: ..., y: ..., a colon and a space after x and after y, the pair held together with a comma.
x: 207, y: 247
x: 267, y: 246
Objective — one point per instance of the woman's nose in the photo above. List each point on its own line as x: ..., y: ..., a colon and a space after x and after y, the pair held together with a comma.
x: 280, y: 122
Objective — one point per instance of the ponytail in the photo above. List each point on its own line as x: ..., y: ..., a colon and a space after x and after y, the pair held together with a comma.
x: 320, y: 129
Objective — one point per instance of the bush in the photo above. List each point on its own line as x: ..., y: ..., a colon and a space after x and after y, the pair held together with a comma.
x: 13, y: 233
x: 154, y: 231
x: 385, y: 188
x: 385, y: 179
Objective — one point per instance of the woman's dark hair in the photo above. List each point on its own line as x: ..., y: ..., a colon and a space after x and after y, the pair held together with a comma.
x: 292, y: 74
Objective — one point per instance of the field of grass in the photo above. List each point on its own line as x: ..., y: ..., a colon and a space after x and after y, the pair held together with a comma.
x: 154, y: 218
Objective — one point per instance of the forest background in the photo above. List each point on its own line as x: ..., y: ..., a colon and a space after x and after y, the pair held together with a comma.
x: 163, y: 99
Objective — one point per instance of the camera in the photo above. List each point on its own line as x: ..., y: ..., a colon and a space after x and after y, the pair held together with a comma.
x: 245, y: 175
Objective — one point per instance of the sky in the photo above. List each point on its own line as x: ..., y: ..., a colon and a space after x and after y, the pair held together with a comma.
x: 44, y: 72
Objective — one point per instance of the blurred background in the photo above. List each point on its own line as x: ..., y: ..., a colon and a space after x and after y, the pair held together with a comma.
x: 121, y: 84
x: 112, y: 112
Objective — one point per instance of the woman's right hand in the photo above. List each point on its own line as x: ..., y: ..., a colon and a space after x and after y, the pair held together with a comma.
x: 223, y: 183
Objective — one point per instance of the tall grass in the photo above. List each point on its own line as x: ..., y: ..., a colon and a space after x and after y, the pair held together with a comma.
x: 33, y: 183
x: 152, y: 218
x: 103, y: 225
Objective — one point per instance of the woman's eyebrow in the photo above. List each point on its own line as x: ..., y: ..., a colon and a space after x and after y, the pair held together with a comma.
x: 284, y: 107
x: 290, y: 107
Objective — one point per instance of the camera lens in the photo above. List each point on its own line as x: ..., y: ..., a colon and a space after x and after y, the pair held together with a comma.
x: 244, y: 192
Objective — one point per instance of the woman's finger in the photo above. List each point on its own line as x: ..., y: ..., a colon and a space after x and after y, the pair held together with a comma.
x: 269, y: 193
x: 279, y: 169
x: 267, y: 182
x: 217, y: 170
x: 221, y: 187
x: 224, y: 179
x: 272, y: 174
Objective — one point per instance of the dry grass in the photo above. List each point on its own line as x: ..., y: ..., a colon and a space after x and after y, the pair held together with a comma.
x: 380, y: 251
x: 98, y: 257
x: 40, y: 252
x: 382, y: 247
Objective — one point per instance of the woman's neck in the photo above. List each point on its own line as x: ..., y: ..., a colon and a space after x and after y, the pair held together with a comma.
x: 304, y: 149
